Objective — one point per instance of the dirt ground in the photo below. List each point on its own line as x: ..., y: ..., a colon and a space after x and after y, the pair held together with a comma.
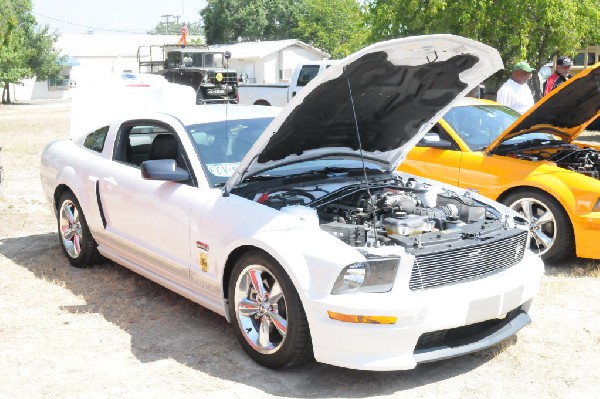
x: 106, y: 332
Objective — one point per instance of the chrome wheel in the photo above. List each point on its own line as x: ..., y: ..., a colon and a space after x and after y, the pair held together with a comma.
x: 70, y: 228
x: 542, y: 223
x: 551, y: 231
x: 261, y: 310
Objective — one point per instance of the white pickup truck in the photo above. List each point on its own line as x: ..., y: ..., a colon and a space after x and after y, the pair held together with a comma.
x: 278, y: 94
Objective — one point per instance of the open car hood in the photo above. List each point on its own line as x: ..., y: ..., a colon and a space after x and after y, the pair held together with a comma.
x: 388, y: 95
x: 566, y: 111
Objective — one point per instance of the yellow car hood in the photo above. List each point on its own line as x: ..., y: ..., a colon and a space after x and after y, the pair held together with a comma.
x: 566, y: 111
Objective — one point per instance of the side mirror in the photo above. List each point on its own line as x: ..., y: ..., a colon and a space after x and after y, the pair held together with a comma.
x: 163, y: 169
x: 243, y: 77
x: 433, y: 139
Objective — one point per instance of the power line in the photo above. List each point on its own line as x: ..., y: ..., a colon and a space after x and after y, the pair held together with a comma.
x: 89, y: 27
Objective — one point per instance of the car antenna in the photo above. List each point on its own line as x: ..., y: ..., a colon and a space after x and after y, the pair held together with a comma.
x: 227, y: 57
x: 362, y: 158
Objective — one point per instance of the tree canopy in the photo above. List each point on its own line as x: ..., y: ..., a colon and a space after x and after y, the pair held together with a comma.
x: 174, y: 28
x: 334, y: 26
x: 230, y: 21
x: 26, y: 50
x: 532, y: 30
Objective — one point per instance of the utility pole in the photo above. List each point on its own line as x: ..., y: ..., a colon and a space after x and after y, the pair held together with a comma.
x: 167, y: 26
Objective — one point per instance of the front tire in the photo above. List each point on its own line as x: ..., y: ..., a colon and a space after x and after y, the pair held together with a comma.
x: 268, y: 316
x: 551, y: 230
x: 75, y: 238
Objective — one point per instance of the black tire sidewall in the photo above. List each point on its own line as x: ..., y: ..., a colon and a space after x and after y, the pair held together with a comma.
x: 296, y: 319
x: 564, y: 241
x: 88, y: 254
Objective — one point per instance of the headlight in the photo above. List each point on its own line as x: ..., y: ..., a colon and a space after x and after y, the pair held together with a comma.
x: 596, y: 207
x: 372, y: 275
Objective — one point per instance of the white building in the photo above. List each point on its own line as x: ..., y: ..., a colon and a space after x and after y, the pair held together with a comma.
x: 92, y: 54
x: 270, y: 61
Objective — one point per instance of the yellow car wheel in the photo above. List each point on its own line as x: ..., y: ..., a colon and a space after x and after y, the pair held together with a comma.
x: 551, y: 230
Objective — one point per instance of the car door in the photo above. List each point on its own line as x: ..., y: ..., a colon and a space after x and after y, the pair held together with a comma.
x: 148, y: 220
x: 436, y: 156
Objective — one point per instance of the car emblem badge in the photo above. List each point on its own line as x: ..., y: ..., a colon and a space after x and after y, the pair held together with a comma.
x: 518, y: 251
x: 203, y: 252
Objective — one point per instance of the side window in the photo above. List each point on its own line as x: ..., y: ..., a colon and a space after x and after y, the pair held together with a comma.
x: 145, y: 141
x: 95, y: 140
x: 137, y: 142
x: 307, y: 73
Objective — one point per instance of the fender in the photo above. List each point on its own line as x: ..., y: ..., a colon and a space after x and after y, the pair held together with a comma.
x: 71, y: 177
x: 303, y: 259
x: 577, y: 198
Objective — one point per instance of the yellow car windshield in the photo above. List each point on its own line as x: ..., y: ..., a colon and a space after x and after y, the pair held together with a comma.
x: 479, y: 125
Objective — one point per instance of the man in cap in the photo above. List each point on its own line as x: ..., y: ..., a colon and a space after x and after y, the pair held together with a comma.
x: 515, y: 92
x: 560, y: 75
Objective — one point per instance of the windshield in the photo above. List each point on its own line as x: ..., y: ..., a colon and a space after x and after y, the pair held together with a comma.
x: 222, y: 145
x: 329, y: 165
x: 479, y: 125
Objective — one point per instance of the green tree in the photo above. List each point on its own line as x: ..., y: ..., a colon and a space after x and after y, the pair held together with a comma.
x: 335, y: 26
x: 26, y: 50
x: 229, y: 21
x: 282, y: 19
x: 532, y: 30
x: 174, y: 28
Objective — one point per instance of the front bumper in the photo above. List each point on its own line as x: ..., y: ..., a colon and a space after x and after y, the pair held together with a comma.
x: 587, y: 235
x: 424, y: 313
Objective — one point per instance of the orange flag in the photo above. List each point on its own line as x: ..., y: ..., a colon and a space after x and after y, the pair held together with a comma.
x: 184, y: 32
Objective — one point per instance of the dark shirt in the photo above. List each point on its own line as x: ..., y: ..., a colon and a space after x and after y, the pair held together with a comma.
x: 554, y: 81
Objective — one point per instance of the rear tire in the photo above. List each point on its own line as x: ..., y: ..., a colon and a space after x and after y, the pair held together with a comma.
x: 77, y: 242
x: 199, y: 96
x: 550, y: 227
x: 267, y: 314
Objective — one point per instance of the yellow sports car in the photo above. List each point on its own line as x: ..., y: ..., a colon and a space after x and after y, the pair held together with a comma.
x: 528, y: 162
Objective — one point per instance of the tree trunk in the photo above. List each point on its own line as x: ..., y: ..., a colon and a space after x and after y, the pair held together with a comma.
x: 6, y: 93
x: 7, y: 87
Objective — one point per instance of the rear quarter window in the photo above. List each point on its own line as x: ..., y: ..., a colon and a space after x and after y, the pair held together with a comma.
x: 95, y: 140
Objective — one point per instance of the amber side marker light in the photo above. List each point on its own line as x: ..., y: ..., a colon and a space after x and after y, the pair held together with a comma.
x: 350, y: 318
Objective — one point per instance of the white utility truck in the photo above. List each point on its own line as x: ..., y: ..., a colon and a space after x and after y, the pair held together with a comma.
x: 278, y: 94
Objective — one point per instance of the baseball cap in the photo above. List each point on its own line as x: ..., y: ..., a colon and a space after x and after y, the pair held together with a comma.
x: 524, y: 66
x: 564, y: 61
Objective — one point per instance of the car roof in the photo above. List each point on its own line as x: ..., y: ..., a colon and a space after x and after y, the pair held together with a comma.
x: 220, y: 112
x: 198, y: 114
x: 471, y: 101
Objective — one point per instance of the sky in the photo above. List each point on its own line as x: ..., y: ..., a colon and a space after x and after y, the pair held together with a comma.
x: 112, y: 16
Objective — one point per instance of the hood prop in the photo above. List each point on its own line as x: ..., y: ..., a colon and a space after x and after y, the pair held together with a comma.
x: 362, y: 158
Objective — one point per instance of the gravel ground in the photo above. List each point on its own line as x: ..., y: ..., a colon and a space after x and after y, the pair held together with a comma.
x: 106, y: 332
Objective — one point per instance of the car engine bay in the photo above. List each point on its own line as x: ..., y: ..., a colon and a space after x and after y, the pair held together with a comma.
x: 390, y: 211
x: 584, y: 160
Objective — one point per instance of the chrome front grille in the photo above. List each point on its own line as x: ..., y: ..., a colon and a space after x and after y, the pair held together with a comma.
x: 229, y: 78
x: 467, y: 263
